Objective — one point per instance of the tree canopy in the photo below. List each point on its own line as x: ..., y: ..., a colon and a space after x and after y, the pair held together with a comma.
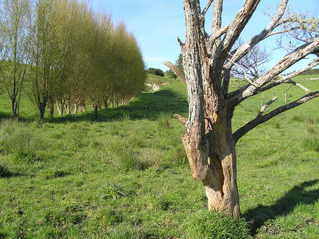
x: 71, y: 56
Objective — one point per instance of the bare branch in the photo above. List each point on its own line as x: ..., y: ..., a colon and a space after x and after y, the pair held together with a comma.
x: 217, y: 35
x: 214, y: 42
x: 284, y: 64
x: 251, y: 64
x: 280, y: 13
x: 245, y: 48
x: 180, y: 42
x: 209, y: 3
x: 239, y: 23
x: 298, y: 85
x: 282, y: 32
x: 217, y: 15
x: 265, y: 106
x: 306, y: 30
x: 288, y: 78
x: 181, y: 119
x: 263, y: 118
x: 175, y: 69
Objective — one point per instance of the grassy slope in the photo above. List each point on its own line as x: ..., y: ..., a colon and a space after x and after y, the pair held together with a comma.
x: 126, y: 176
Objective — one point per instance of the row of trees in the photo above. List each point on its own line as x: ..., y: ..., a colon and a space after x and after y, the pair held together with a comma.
x: 65, y: 57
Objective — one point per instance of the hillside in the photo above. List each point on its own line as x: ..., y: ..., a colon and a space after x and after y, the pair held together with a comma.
x: 126, y: 175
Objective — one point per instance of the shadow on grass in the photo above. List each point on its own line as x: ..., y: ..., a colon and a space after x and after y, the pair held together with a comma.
x: 4, y: 116
x: 7, y: 116
x: 146, y: 106
x: 6, y: 173
x: 3, y: 236
x: 283, y: 206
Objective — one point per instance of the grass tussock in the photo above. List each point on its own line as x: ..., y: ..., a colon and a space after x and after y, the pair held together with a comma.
x: 22, y: 141
x: 5, y: 172
x: 311, y: 144
x: 211, y: 225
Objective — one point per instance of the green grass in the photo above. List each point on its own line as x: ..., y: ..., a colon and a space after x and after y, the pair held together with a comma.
x: 126, y: 174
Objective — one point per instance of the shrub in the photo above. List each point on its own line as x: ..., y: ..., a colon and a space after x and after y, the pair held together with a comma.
x: 17, y: 139
x: 155, y: 71
x: 63, y: 218
x: 5, y: 172
x: 298, y: 118
x: 170, y: 74
x: 114, y: 191
x: 212, y: 225
x: 58, y: 174
x: 164, y: 122
x: 129, y: 161
x: 311, y: 72
x: 125, y: 232
x: 113, y: 217
x: 311, y: 144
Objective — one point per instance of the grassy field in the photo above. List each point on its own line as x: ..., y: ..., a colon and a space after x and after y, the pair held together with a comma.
x: 126, y: 175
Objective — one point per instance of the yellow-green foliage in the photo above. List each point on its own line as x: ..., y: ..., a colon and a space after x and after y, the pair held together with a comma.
x: 78, y: 57
x: 108, y: 65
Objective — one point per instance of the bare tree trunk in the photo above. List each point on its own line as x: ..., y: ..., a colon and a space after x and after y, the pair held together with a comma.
x: 96, y: 110
x: 208, y: 60
x: 76, y: 108
x: 51, y: 107
x: 42, y: 107
x: 218, y: 168
x: 61, y: 107
x: 208, y: 140
x: 221, y: 180
x: 14, y: 107
x: 106, y: 102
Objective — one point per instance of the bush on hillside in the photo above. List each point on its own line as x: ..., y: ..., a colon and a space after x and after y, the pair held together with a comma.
x: 213, y: 225
x: 170, y: 74
x: 311, y: 72
x: 17, y: 139
x: 155, y: 71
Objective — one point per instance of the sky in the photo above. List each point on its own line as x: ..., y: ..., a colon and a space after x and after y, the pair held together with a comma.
x: 157, y: 24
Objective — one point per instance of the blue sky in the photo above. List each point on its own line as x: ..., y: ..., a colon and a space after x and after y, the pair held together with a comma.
x: 156, y: 24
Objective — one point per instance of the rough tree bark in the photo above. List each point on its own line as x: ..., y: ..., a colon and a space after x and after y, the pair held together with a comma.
x: 208, y: 59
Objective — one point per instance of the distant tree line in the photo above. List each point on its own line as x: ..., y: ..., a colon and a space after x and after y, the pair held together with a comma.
x: 159, y: 72
x: 65, y: 57
x: 311, y: 72
x: 155, y: 71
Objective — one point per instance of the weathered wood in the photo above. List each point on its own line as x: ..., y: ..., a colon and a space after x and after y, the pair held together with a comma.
x: 248, y: 46
x: 239, y: 23
x: 211, y: 161
x: 180, y: 75
x: 193, y: 53
x: 208, y: 140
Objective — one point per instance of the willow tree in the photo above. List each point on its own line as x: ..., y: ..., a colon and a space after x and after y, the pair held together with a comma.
x: 14, y: 22
x: 43, y: 54
x: 208, y: 60
x: 127, y: 67
x: 74, y: 55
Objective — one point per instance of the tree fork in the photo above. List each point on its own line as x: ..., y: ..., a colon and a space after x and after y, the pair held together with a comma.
x: 208, y: 139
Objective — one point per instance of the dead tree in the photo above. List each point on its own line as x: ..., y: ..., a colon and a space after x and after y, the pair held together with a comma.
x: 209, y: 140
x: 251, y: 65
x: 177, y: 72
